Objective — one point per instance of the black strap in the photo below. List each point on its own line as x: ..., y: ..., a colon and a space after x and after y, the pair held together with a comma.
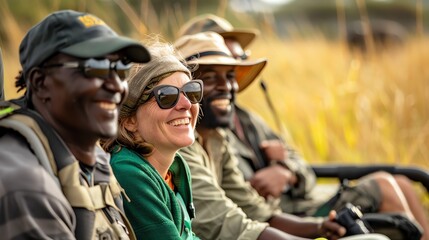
x: 252, y: 138
x: 394, y: 225
x: 207, y: 53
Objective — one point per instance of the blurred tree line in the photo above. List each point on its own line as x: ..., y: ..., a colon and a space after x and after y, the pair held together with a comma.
x: 137, y: 18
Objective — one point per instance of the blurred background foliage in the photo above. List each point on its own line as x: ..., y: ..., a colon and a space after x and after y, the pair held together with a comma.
x: 338, y: 100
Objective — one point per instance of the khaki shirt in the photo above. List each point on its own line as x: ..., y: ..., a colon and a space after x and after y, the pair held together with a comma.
x: 226, y: 206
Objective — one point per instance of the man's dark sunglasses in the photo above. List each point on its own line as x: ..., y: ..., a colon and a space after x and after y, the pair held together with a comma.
x: 97, y: 68
x: 167, y: 96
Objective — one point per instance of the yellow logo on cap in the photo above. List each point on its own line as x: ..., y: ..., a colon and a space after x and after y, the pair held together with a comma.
x: 90, y: 21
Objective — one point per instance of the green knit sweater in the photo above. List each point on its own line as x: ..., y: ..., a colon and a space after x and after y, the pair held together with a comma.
x: 154, y: 210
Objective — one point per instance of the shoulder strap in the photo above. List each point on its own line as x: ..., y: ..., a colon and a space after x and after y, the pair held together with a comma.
x: 56, y: 144
x: 52, y: 143
x: 27, y: 127
x: 251, y: 138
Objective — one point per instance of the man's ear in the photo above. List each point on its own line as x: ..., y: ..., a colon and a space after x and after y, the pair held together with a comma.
x: 37, y: 83
x: 131, y: 124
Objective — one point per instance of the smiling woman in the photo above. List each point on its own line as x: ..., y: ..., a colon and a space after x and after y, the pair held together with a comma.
x: 157, y: 119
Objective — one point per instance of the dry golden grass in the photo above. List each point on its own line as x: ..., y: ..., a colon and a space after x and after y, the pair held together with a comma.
x: 340, y: 107
x: 344, y: 107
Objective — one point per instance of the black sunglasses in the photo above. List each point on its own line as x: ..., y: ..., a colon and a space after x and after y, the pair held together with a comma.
x: 167, y: 96
x: 99, y: 68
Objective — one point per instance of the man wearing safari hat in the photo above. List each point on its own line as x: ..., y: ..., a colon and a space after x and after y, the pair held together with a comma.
x: 276, y: 170
x: 235, y: 39
x: 227, y: 207
x: 55, y: 180
x: 265, y: 161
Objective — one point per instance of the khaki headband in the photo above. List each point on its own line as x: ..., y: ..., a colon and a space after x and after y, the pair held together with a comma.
x: 143, y: 77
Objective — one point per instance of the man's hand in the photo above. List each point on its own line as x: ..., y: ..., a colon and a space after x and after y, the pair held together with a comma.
x: 274, y: 150
x: 272, y: 180
x: 330, y: 229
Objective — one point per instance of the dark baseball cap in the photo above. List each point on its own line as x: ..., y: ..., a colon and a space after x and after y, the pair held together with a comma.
x: 78, y: 34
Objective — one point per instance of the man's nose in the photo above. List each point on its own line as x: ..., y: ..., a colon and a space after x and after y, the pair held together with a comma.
x: 226, y: 84
x: 114, y: 83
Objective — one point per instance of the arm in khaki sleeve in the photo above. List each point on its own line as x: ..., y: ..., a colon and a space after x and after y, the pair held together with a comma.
x: 294, y: 162
x: 256, y: 208
x: 242, y: 193
x: 217, y: 217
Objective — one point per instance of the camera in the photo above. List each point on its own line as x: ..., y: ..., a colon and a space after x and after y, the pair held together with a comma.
x: 350, y: 217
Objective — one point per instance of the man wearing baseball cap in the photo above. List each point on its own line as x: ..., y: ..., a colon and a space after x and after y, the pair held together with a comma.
x: 55, y: 180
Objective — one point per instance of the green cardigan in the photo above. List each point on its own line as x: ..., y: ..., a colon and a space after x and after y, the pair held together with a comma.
x: 155, y: 211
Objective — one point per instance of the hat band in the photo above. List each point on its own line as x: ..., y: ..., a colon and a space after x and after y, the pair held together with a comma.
x: 204, y: 54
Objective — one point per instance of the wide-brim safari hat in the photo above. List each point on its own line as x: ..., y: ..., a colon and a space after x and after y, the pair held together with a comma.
x: 213, y: 23
x: 208, y: 48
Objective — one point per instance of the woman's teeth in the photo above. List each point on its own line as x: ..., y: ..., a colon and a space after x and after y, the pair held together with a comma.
x: 177, y: 122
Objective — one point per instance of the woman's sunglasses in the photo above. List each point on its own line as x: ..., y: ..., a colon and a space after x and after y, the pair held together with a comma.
x: 167, y: 96
x: 97, y: 68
